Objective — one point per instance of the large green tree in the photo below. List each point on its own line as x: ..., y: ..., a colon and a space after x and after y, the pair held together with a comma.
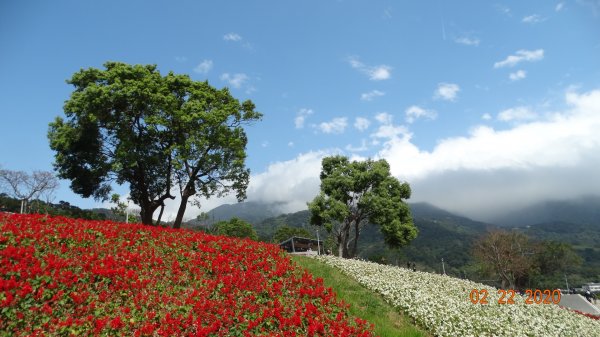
x: 131, y: 125
x: 354, y: 194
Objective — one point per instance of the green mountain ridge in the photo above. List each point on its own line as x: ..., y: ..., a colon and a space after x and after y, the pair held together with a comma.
x: 447, y: 236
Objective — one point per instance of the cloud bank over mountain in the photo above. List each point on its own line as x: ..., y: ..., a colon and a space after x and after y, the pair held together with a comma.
x: 554, y: 156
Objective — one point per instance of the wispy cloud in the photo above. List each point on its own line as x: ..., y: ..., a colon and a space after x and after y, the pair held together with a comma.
x: 181, y: 59
x: 517, y: 114
x: 369, y: 96
x: 387, y: 130
x: 415, y: 112
x: 363, y: 147
x: 447, y: 91
x: 521, y: 56
x: 335, y: 126
x: 467, y: 41
x: 593, y: 5
x: 375, y: 73
x: 361, y: 123
x: 301, y: 117
x: 486, y: 116
x: 232, y: 37
x: 235, y: 80
x: 532, y: 19
x: 517, y: 75
x: 559, y: 6
x: 204, y: 67
x: 384, y: 118
x: 503, y: 9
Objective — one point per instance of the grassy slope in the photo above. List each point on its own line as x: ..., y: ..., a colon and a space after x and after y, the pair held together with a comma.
x: 363, y: 303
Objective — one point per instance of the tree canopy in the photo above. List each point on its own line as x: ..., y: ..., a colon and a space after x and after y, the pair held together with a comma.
x: 356, y: 193
x: 131, y: 125
x: 26, y: 187
x: 235, y: 227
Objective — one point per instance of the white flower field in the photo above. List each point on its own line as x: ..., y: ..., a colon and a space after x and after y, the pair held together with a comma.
x: 442, y: 304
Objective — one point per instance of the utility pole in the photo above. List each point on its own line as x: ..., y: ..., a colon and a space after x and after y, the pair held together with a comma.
x: 127, y: 212
x: 443, y: 267
x: 318, y: 243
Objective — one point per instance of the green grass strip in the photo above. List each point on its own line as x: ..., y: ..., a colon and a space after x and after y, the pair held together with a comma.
x: 363, y: 302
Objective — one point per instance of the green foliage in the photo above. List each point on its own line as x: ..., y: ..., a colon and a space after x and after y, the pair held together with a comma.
x: 236, y: 228
x: 63, y: 208
x: 129, y: 124
x: 360, y: 192
x: 120, y: 207
x: 285, y: 232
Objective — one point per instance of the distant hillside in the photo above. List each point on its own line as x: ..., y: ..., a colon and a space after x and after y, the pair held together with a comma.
x: 584, y: 210
x: 441, y: 234
x: 252, y: 212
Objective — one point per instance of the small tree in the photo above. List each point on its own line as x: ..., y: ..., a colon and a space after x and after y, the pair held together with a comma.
x: 236, y: 228
x: 25, y: 187
x: 356, y: 193
x: 505, y: 254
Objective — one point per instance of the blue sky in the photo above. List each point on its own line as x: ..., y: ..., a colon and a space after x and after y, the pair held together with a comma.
x: 481, y: 106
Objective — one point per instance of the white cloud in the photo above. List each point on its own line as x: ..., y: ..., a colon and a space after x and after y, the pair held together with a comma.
x: 492, y: 170
x: 503, y: 9
x: 415, y: 112
x: 375, y: 73
x: 265, y: 143
x: 363, y: 147
x: 301, y: 117
x: 361, y: 123
x: 532, y: 19
x: 299, y: 176
x: 335, y: 126
x: 467, y: 41
x: 387, y: 130
x: 447, y: 91
x: 479, y: 174
x: 486, y: 116
x: 381, y: 72
x: 232, y: 37
x: 204, y: 67
x: 368, y: 96
x: 520, y: 113
x: 559, y: 6
x: 291, y: 144
x: 520, y: 56
x: 517, y: 75
x: 235, y: 80
x: 384, y: 118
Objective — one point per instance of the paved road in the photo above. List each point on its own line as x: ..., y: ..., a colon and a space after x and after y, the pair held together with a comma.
x: 578, y: 302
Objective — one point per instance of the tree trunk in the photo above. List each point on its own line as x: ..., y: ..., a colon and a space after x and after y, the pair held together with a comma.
x: 188, y: 191
x: 162, y: 208
x: 146, y: 215
x: 181, y: 211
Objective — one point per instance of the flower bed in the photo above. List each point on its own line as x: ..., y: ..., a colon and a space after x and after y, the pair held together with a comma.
x: 64, y: 277
x: 442, y: 304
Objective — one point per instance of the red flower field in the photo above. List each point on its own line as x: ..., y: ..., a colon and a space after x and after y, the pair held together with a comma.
x: 61, y: 276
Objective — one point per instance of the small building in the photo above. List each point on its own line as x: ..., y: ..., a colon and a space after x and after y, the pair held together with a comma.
x: 299, y: 245
x: 591, y: 287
